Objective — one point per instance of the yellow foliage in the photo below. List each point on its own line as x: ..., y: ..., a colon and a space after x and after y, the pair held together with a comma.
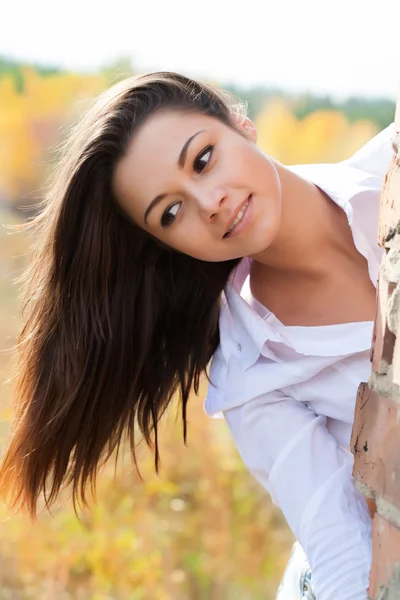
x: 322, y: 136
x: 30, y: 124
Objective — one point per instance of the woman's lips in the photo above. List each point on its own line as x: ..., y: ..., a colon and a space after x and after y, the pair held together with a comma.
x: 243, y: 221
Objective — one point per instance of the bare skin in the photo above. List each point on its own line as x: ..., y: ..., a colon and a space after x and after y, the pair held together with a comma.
x: 328, y: 280
x: 305, y: 268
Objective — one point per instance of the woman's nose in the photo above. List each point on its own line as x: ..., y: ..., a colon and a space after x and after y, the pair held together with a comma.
x: 210, y: 203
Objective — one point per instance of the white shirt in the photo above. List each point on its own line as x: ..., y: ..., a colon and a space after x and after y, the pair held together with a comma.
x: 288, y: 393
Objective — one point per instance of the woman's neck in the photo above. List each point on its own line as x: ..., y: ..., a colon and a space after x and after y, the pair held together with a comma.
x: 314, y: 234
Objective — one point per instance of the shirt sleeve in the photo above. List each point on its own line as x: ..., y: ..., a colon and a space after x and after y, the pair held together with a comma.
x: 288, y: 449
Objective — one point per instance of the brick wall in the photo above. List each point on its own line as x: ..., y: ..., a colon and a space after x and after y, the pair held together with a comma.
x: 375, y: 437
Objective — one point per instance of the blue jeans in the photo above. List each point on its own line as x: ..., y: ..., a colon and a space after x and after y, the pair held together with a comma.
x: 296, y: 581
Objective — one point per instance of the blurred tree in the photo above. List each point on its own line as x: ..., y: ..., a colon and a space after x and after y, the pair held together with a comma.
x: 378, y: 110
x: 18, y: 149
x: 38, y: 102
x: 118, y: 69
x: 305, y: 104
x: 9, y: 67
x: 31, y: 123
x: 256, y: 97
x: 322, y: 136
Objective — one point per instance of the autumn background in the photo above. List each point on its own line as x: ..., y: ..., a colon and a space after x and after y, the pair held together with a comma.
x: 203, y: 529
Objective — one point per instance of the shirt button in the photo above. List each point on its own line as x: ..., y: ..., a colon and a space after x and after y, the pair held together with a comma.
x: 239, y: 347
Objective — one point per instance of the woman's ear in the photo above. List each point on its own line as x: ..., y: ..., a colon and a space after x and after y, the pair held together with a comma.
x: 246, y: 125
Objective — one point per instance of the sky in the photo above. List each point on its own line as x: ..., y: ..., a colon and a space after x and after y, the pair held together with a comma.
x: 336, y: 47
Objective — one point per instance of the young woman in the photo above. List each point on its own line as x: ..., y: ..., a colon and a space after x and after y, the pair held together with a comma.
x: 168, y: 238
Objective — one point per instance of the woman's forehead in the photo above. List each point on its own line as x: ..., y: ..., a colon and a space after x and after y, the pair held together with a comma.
x: 170, y: 125
x: 155, y: 148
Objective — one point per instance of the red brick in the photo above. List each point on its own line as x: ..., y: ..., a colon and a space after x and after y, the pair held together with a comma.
x: 375, y: 443
x: 385, y: 552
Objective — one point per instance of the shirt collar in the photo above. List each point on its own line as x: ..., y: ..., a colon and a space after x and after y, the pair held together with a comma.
x: 249, y: 329
x: 244, y: 333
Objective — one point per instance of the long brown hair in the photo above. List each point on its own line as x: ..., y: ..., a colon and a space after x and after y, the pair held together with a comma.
x: 114, y: 322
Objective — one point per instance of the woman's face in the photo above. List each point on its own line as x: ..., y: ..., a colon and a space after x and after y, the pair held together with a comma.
x: 188, y: 178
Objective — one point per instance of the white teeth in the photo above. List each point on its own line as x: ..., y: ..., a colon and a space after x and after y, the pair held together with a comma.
x: 239, y: 217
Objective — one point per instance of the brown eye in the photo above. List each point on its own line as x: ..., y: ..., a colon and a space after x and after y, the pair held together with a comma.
x: 202, y: 159
x: 170, y: 214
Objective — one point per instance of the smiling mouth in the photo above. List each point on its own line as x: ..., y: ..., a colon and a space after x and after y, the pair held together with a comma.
x: 239, y: 217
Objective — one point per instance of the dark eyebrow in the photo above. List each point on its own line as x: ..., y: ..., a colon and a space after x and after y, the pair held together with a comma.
x: 182, y: 156
x: 181, y: 164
